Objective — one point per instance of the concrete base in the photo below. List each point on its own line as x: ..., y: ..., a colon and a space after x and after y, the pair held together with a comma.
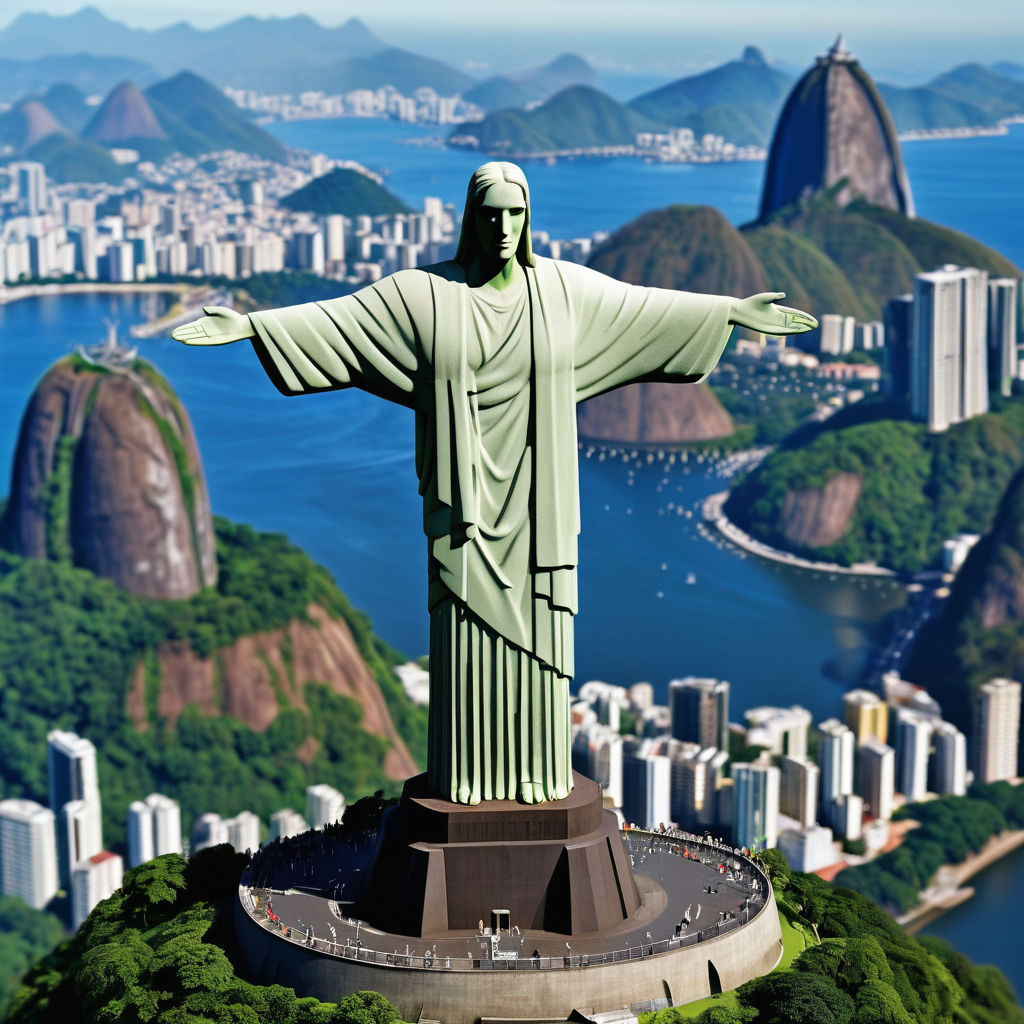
x: 442, y: 867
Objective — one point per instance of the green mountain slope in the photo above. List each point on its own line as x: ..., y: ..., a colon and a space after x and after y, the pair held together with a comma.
x: 979, y: 635
x: 69, y: 159
x: 344, y: 191
x: 63, y: 629
x: 693, y: 248
x: 199, y: 118
x: 404, y: 70
x: 579, y: 117
x: 739, y: 100
x: 916, y: 489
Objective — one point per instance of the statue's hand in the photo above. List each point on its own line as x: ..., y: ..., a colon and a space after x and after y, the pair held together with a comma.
x: 759, y: 313
x: 220, y: 326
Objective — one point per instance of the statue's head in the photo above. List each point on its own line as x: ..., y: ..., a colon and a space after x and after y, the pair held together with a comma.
x: 495, y: 186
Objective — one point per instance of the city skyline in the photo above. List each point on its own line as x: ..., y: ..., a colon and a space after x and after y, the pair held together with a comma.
x: 899, y: 44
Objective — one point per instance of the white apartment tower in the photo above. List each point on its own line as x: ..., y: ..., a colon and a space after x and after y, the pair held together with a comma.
x: 755, y: 808
x: 647, y: 787
x: 154, y: 828
x: 93, y: 880
x: 949, y: 760
x: 913, y: 743
x: 28, y: 852
x: 286, y: 822
x: 71, y: 766
x: 1002, y: 333
x: 835, y: 758
x: 948, y: 348
x: 876, y: 777
x: 798, y: 792
x: 324, y: 805
x: 997, y: 730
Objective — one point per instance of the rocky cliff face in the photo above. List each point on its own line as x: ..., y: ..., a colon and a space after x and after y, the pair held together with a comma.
x: 817, y: 517
x: 107, y: 476
x: 655, y: 414
x: 252, y: 679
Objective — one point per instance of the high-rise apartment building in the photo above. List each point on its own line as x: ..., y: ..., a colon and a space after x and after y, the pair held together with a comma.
x: 71, y: 767
x: 876, y: 777
x: 1002, y: 333
x: 997, y: 730
x: 154, y: 828
x: 700, y: 711
x: 324, y: 805
x: 798, y: 790
x: 948, y: 766
x: 948, y: 351
x: 93, y: 880
x: 867, y: 715
x: 647, y: 786
x: 243, y: 831
x: 693, y: 785
x: 209, y: 829
x: 755, y: 809
x: 835, y: 758
x: 780, y: 730
x: 28, y: 852
x: 913, y: 744
x: 285, y: 823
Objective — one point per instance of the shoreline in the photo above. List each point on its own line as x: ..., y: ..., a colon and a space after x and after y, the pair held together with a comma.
x: 14, y: 293
x: 716, y: 517
x: 950, y: 879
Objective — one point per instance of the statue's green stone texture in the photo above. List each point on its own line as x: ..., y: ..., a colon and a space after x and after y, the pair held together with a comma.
x: 492, y: 351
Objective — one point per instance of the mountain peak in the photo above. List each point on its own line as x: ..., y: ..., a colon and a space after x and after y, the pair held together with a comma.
x: 125, y: 114
x: 754, y: 55
x: 107, y: 476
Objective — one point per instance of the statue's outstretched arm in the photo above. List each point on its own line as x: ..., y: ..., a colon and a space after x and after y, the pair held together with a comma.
x: 220, y: 326
x: 760, y: 313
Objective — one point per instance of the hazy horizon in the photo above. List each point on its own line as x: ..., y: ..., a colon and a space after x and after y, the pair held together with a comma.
x: 896, y: 43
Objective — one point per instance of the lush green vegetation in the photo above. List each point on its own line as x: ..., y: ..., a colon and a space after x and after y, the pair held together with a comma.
x: 739, y: 100
x: 951, y: 829
x: 577, y: 117
x: 70, y: 642
x: 918, y: 488
x: 978, y: 636
x: 151, y: 953
x: 864, y: 969
x: 347, y: 192
x: 25, y: 935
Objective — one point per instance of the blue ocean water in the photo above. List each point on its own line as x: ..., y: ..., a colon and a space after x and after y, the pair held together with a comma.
x: 657, y: 599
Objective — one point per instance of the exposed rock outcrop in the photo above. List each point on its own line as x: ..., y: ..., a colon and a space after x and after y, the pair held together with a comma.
x: 835, y: 132
x: 817, y: 517
x: 655, y: 414
x: 253, y: 678
x: 107, y: 476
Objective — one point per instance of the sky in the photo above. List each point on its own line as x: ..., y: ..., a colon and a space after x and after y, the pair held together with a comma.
x: 896, y: 40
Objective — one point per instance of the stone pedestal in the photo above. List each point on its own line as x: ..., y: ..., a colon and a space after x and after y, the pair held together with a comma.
x: 443, y: 867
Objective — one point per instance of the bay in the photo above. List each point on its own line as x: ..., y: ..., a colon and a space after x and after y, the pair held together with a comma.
x: 335, y: 472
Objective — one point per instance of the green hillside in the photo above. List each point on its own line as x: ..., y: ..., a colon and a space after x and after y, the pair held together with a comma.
x: 344, y: 191
x: 739, y: 100
x: 918, y: 488
x: 199, y: 118
x: 406, y: 71
x: 693, y: 248
x: 69, y: 159
x: 579, y: 117
x: 979, y: 635
x: 63, y: 630
x: 156, y: 950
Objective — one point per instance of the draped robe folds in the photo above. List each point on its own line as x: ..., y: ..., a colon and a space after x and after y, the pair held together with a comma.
x: 494, y: 378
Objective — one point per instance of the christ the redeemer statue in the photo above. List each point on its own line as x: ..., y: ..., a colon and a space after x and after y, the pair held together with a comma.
x: 493, y: 350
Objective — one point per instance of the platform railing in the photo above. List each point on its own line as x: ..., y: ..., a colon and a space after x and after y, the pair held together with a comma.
x: 700, y: 848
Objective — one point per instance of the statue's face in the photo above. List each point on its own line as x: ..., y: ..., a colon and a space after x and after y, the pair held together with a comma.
x: 500, y: 219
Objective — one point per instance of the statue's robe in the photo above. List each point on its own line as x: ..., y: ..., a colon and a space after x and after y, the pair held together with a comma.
x: 494, y: 378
